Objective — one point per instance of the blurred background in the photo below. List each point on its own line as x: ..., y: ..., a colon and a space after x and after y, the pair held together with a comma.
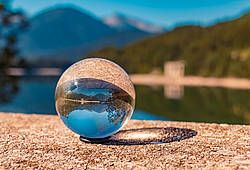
x: 189, y: 60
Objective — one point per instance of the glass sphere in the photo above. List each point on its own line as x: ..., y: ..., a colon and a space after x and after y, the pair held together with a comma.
x: 95, y: 98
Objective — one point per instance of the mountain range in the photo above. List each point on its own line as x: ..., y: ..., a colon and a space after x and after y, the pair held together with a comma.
x: 219, y: 50
x: 65, y: 34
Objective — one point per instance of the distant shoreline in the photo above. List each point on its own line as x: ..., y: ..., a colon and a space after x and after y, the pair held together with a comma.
x: 150, y: 79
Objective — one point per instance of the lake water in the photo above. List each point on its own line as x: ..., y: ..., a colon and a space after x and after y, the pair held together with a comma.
x: 198, y: 104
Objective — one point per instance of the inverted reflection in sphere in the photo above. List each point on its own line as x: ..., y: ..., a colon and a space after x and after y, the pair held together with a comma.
x: 95, y: 98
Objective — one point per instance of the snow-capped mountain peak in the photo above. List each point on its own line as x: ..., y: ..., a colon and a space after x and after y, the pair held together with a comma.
x: 121, y: 23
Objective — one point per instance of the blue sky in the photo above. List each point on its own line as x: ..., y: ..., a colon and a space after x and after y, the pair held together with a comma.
x: 160, y: 12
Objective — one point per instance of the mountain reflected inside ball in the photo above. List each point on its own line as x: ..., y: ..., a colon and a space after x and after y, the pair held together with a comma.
x: 95, y: 98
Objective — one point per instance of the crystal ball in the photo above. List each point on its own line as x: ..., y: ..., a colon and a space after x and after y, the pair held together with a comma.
x: 95, y: 98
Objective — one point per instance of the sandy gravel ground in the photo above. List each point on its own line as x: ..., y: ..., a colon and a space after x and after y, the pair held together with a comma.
x: 43, y: 142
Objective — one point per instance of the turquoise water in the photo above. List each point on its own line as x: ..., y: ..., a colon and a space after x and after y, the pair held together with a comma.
x: 36, y: 95
x: 198, y: 104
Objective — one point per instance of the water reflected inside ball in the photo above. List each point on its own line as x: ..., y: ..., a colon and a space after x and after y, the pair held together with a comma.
x: 93, y: 108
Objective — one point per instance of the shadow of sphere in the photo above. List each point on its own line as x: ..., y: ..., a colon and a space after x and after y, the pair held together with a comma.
x: 145, y: 136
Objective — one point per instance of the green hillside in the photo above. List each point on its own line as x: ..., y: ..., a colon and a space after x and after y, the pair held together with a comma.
x: 219, y: 50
